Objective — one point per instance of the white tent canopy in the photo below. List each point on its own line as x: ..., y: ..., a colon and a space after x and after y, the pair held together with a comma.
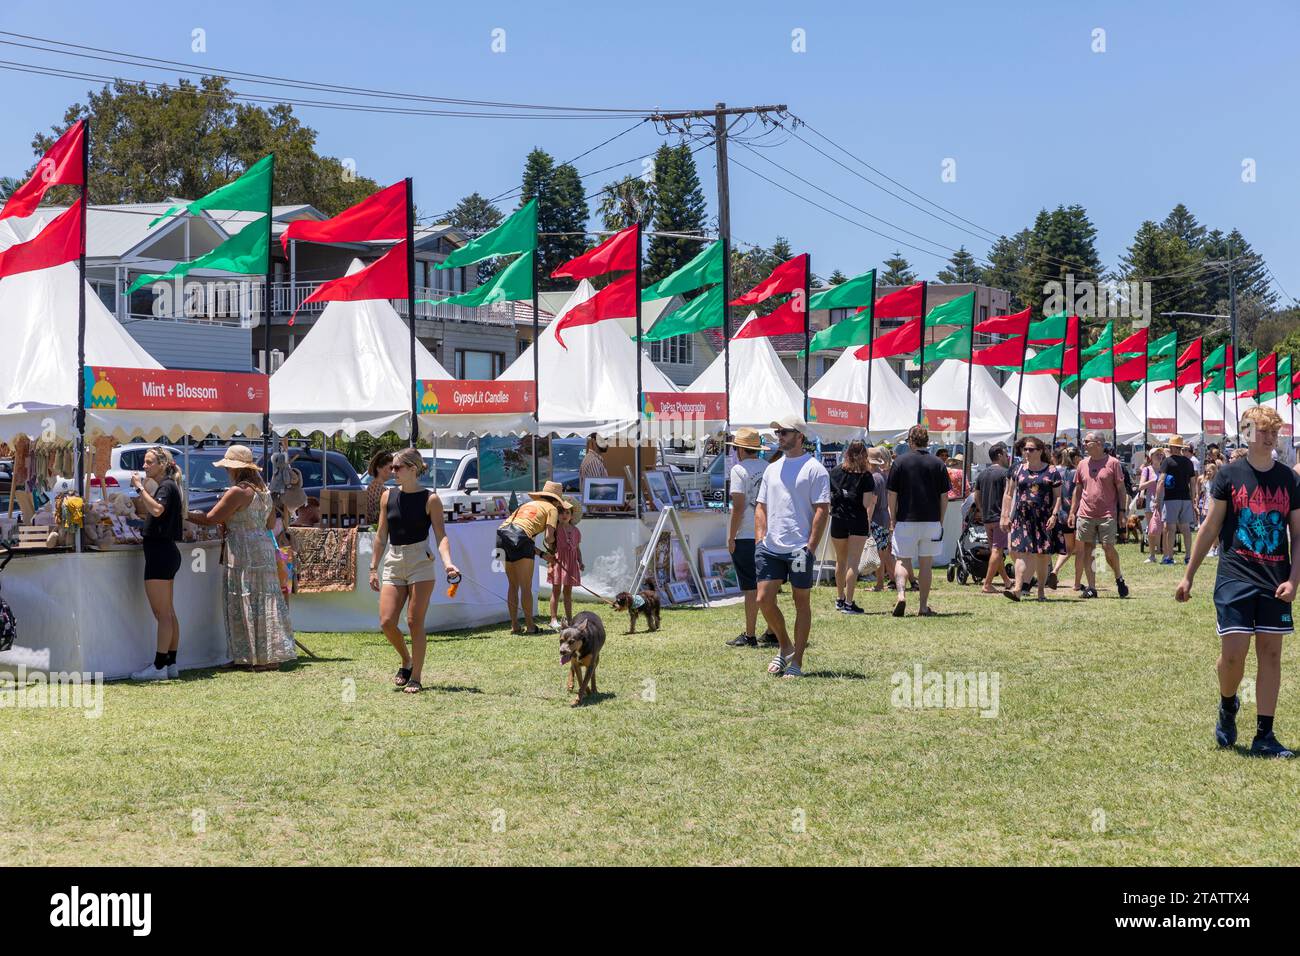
x: 351, y: 373
x: 1213, y: 411
x: 992, y: 414
x: 1161, y: 409
x: 591, y: 385
x: 38, y: 365
x: 1098, y: 396
x: 1040, y: 396
x: 892, y: 405
x: 761, y: 389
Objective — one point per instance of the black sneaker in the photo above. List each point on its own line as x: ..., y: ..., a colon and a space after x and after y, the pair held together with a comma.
x: 1225, y: 731
x: 1269, y: 747
x: 852, y: 608
x: 1089, y: 592
x: 1051, y: 581
x: 839, y: 604
x: 768, y: 640
x: 742, y: 640
x: 1121, y: 587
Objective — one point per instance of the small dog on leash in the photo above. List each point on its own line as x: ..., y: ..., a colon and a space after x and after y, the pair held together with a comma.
x: 643, y: 602
x: 580, y: 645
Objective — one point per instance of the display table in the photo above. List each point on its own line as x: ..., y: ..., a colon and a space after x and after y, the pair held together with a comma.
x: 87, y: 613
x: 480, y: 600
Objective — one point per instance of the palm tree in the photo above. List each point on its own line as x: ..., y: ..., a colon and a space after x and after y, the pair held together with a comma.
x: 626, y: 201
x: 8, y: 185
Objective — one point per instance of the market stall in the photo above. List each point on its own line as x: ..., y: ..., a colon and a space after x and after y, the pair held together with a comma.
x: 1045, y: 408
x: 1216, y: 419
x: 892, y: 405
x: 1166, y: 413
x: 1103, y: 410
x: 954, y: 411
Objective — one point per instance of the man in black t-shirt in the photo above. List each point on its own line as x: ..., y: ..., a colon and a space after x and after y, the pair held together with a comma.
x: 989, y: 488
x: 1254, y: 514
x: 1177, y: 488
x: 918, y: 497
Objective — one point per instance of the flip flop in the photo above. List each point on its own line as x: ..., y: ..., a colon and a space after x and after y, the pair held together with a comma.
x: 777, y: 666
x: 1012, y: 594
x: 412, y: 687
x: 792, y: 671
x: 928, y: 612
x: 402, y: 677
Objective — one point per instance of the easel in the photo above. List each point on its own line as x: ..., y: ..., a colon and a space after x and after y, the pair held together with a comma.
x: 643, y: 568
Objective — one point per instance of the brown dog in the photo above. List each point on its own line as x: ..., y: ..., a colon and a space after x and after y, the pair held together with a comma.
x: 580, y: 645
x: 647, y: 605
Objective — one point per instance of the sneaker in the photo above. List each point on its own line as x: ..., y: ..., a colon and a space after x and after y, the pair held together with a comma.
x: 1149, y: 560
x: 1052, y: 580
x: 149, y: 672
x: 173, y: 672
x: 1121, y: 587
x: 1187, y: 558
x: 1269, y: 747
x: 768, y: 640
x: 1225, y: 730
x: 1167, y: 561
x: 840, y: 605
x: 852, y: 608
x: 1089, y: 592
x: 743, y: 640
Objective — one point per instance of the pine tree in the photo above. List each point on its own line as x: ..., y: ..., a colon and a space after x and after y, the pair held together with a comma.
x: 1162, y: 257
x: 898, y: 271
x: 679, y: 207
x: 1006, y: 268
x: 961, y: 268
x: 781, y: 250
x: 1181, y: 223
x: 561, y: 208
x: 474, y: 215
x: 571, y: 213
x: 1061, y: 244
x: 838, y: 277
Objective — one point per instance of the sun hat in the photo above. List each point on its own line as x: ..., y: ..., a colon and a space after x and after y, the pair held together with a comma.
x: 552, y: 491
x: 876, y: 455
x: 791, y: 422
x: 575, y: 509
x: 747, y: 438
x: 1176, y: 441
x: 238, y: 456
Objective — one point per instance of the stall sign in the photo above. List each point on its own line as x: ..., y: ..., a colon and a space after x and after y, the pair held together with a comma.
x: 944, y: 420
x: 450, y: 396
x: 1037, y: 425
x: 694, y: 406
x: 823, y: 411
x: 175, y: 390
x: 1102, y: 420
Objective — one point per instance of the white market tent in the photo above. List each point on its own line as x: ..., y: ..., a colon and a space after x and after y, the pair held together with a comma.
x: 1214, y: 410
x: 992, y: 414
x: 1096, y: 396
x: 351, y: 373
x: 892, y: 405
x: 38, y: 365
x: 591, y: 385
x: 1040, y: 397
x: 1163, y: 408
x: 761, y: 389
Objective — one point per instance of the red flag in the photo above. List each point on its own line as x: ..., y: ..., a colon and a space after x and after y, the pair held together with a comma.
x: 1017, y: 324
x: 785, y: 278
x: 381, y: 216
x: 1191, y: 375
x: 615, y: 254
x: 616, y: 301
x: 1137, y: 342
x: 385, y: 278
x: 57, y: 243
x: 785, y: 319
x: 903, y: 304
x: 1134, y: 370
x: 62, y: 165
x: 903, y: 340
x: 1191, y: 353
x: 1267, y: 372
x: 1009, y: 352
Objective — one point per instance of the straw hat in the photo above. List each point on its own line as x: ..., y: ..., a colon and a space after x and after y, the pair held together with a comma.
x: 747, y: 438
x: 575, y: 510
x: 1176, y: 441
x: 238, y: 456
x: 876, y: 456
x: 553, y: 492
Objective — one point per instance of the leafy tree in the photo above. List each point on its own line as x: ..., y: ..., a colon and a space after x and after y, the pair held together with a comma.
x: 7, y: 186
x: 898, y: 271
x: 626, y: 201
x: 475, y: 215
x: 679, y: 207
x: 1280, y: 333
x: 961, y: 268
x: 186, y: 140
x: 838, y: 277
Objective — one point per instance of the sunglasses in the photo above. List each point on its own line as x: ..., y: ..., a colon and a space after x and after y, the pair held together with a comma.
x: 785, y: 431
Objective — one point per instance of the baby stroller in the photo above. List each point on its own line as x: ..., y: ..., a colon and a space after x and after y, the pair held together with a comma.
x: 972, y: 557
x: 8, y: 626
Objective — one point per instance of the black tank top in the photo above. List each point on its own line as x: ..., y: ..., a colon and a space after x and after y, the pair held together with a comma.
x: 408, y: 519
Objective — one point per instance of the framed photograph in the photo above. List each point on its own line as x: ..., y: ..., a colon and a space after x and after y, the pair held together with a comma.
x: 681, y: 592
x: 681, y: 567
x: 602, y: 491
x: 830, y: 459
x: 717, y: 563
x: 657, y: 485
x: 674, y: 492
x: 695, y: 500
x: 714, y: 587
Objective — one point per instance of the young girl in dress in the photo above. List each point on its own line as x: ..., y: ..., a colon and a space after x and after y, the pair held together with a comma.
x: 566, y: 567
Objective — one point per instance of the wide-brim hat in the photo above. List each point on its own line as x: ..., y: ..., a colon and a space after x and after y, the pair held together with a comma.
x: 239, y: 456
x: 1176, y: 441
x: 747, y: 438
x: 553, y: 492
x: 575, y: 510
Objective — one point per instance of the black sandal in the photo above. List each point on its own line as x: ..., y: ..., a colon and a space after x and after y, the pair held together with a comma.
x: 535, y: 630
x: 412, y: 687
x: 402, y: 677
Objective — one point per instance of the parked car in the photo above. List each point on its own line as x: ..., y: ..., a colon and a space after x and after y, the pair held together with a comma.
x: 204, y: 477
x: 566, y: 460
x: 125, y: 461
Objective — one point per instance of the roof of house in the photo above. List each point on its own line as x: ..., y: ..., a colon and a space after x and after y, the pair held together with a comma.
x: 784, y: 344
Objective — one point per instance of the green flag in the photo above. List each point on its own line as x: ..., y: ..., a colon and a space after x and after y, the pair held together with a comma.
x: 956, y: 312
x: 1048, y: 360
x: 1216, y: 382
x: 847, y: 295
x: 1164, y: 345
x: 1052, y: 327
x: 954, y: 346
x: 1166, y: 370
x: 251, y: 192
x: 1104, y: 341
x: 516, y: 234
x: 1247, y: 365
x: 702, y: 312
x: 704, y: 269
x: 1216, y: 358
x: 1102, y: 366
x: 511, y: 284
x: 245, y: 252
x: 1284, y: 376
x: 846, y: 332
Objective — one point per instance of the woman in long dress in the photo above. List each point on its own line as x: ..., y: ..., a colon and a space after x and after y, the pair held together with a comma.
x: 1035, y: 487
x: 259, y: 633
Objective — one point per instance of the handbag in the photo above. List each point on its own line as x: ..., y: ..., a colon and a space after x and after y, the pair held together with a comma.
x: 869, y: 563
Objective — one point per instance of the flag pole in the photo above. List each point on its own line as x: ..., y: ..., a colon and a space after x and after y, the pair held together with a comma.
x: 871, y: 341
x: 968, y: 451
x: 807, y: 329
x: 639, y: 397
x: 537, y: 362
x: 920, y: 363
x: 266, y: 320
x: 410, y: 309
x: 1146, y: 390
x: 79, y: 448
x: 1020, y: 385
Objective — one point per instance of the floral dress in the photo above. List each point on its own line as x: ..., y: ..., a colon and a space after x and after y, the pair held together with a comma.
x: 258, y: 629
x: 1033, y: 507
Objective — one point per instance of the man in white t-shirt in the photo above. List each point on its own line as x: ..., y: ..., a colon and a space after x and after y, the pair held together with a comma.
x: 790, y: 517
x: 746, y: 476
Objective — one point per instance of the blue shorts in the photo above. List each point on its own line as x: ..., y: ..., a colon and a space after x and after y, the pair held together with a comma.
x: 785, y: 567
x: 1243, y: 609
x: 742, y: 560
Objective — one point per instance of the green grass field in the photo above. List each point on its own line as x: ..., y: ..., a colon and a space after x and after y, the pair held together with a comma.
x: 1101, y: 753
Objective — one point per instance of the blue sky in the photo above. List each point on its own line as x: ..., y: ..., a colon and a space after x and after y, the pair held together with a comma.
x: 1013, y: 92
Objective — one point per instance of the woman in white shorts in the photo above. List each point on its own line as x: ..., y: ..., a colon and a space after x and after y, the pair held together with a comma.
x: 406, y: 515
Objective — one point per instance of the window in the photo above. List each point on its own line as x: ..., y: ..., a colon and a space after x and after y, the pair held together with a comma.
x: 478, y: 365
x: 522, y: 346
x: 984, y: 312
x: 677, y: 350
